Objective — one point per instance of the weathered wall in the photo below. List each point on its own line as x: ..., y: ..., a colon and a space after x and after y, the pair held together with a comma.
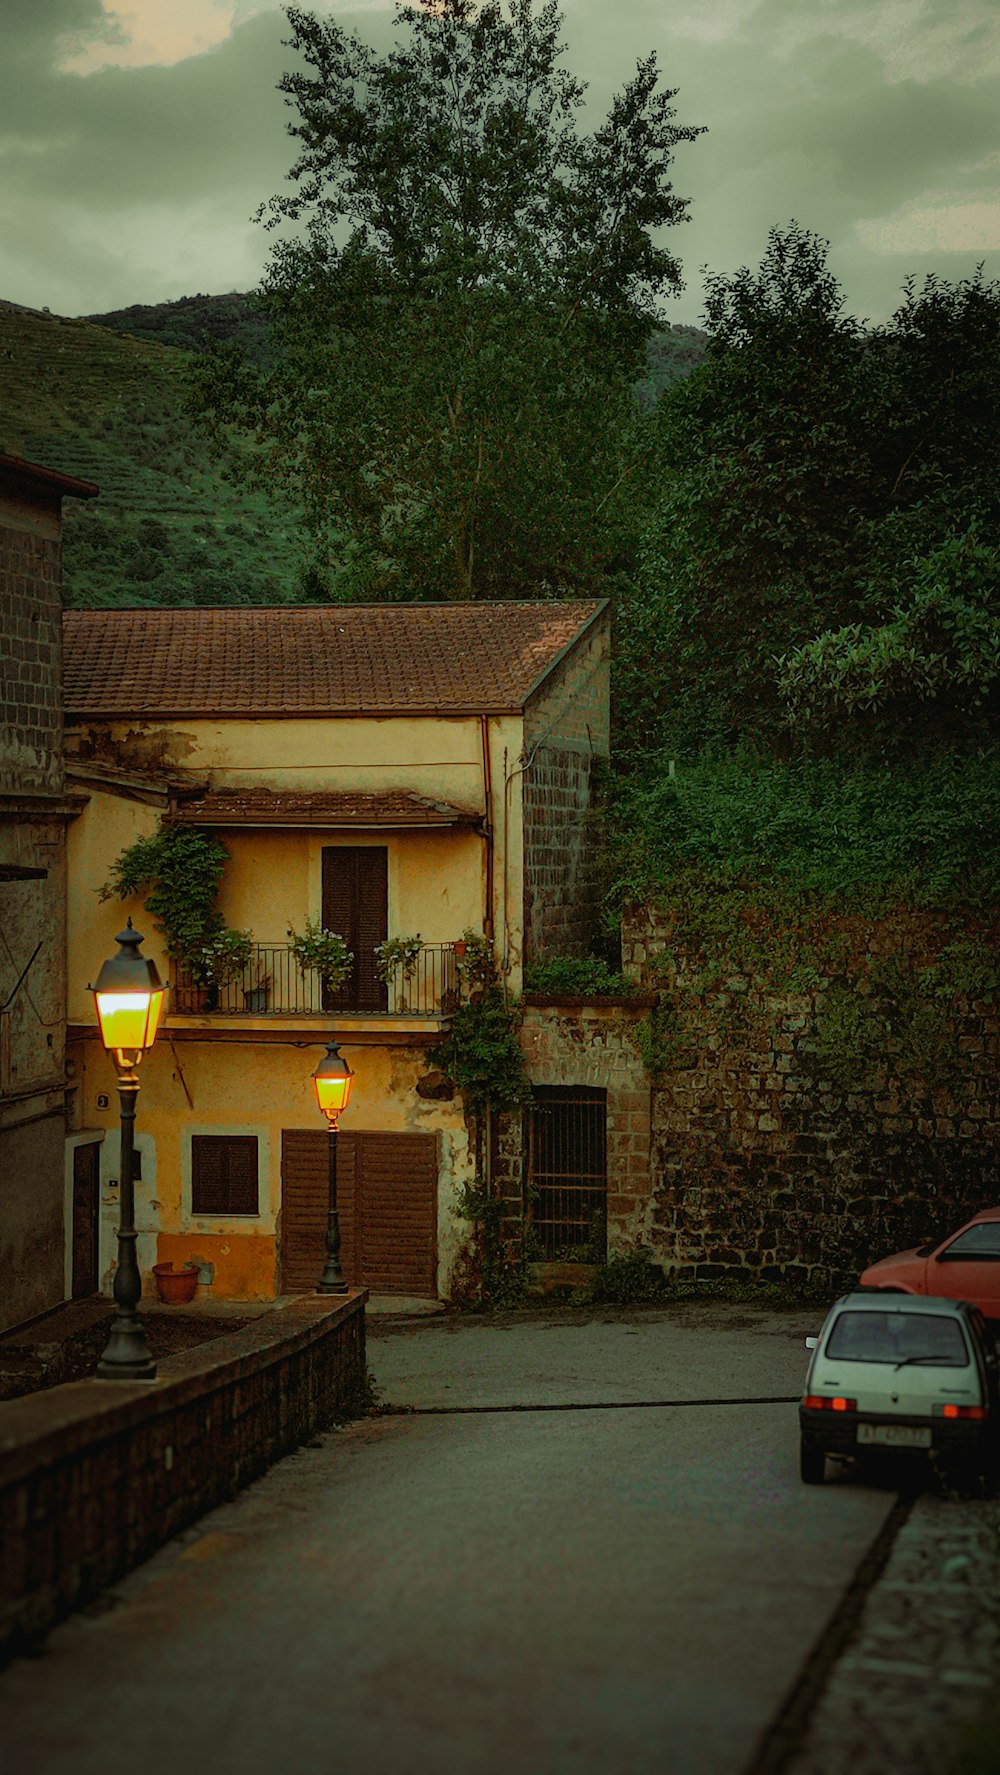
x: 32, y: 839
x: 569, y: 1042
x: 96, y: 1477
x: 764, y: 1166
x: 566, y: 735
x: 30, y: 646
x: 574, y: 1041
x: 219, y: 1086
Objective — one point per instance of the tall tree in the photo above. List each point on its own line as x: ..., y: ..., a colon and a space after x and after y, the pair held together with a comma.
x: 822, y: 553
x: 459, y: 316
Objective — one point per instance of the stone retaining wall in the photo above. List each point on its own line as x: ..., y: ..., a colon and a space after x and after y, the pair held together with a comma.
x: 96, y: 1475
x: 762, y: 1167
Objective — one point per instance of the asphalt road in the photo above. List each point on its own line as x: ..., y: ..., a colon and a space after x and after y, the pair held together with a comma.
x: 631, y: 1589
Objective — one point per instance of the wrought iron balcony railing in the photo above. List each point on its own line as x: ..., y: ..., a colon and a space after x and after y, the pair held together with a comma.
x: 273, y: 984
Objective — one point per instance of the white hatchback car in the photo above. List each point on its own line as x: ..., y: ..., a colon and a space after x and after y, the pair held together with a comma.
x: 901, y: 1373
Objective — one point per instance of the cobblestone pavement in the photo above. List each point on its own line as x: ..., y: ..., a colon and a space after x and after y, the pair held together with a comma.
x: 916, y: 1690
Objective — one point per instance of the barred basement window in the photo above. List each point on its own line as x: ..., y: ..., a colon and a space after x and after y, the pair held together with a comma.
x: 224, y: 1174
x: 568, y: 1173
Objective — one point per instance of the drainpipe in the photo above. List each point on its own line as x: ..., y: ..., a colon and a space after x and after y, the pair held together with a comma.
x: 484, y: 728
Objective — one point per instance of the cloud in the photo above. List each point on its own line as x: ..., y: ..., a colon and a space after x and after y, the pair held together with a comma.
x: 875, y: 125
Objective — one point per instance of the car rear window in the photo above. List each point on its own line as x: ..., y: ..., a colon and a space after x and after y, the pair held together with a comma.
x: 898, y: 1337
x: 982, y: 1240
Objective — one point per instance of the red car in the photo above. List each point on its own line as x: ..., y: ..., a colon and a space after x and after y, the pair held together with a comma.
x: 965, y: 1266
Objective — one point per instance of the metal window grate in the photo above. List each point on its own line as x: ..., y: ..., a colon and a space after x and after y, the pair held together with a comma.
x: 568, y: 1173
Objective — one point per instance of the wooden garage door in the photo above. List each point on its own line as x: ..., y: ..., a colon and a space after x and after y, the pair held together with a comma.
x: 387, y: 1196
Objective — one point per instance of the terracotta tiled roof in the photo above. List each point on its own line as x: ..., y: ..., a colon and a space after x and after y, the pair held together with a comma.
x: 269, y: 807
x: 341, y: 659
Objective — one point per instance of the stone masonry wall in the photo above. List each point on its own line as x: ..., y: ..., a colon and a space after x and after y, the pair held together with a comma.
x: 562, y: 902
x: 565, y: 739
x: 30, y: 642
x: 763, y: 1167
x: 94, y: 1477
x: 586, y: 1042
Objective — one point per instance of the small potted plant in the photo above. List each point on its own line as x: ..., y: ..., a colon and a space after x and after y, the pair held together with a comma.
x: 474, y: 961
x: 322, y: 952
x: 396, y: 958
x: 224, y: 957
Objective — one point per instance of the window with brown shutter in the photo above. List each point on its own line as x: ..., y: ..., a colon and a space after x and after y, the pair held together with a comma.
x: 356, y: 904
x: 224, y: 1174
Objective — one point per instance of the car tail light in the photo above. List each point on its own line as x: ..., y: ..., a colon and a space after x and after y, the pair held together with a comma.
x: 959, y: 1411
x: 819, y: 1402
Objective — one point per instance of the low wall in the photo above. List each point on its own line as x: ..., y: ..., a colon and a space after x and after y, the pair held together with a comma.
x: 96, y: 1475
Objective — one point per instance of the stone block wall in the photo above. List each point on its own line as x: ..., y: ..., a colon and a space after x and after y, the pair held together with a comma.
x: 763, y: 1167
x: 30, y: 649
x: 95, y: 1476
x: 589, y: 1042
x: 561, y: 899
x: 566, y: 739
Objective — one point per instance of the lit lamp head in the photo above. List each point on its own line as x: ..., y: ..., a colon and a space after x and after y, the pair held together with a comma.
x: 332, y: 1079
x: 129, y: 998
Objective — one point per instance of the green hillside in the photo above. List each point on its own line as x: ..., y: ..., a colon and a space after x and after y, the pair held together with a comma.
x: 103, y: 397
x: 168, y: 527
x: 193, y: 322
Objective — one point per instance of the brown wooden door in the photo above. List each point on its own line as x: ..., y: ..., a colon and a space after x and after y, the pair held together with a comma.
x: 86, y: 1197
x: 387, y: 1197
x: 356, y: 904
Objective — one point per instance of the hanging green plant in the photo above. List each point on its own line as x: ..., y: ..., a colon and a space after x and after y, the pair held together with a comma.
x: 176, y: 872
x: 482, y: 1053
x: 323, y: 952
x: 224, y: 958
x: 475, y: 962
x: 397, y: 955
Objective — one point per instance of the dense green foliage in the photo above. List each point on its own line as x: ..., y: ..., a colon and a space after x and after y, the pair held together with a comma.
x: 927, y: 833
x: 821, y: 555
x: 192, y: 323
x: 482, y: 1052
x: 588, y: 976
x: 176, y: 871
x: 450, y: 396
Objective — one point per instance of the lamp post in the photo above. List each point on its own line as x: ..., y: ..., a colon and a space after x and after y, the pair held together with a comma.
x: 129, y: 998
x: 332, y: 1079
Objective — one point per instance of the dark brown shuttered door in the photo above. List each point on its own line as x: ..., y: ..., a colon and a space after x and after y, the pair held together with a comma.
x: 356, y: 904
x: 387, y: 1197
x: 86, y: 1176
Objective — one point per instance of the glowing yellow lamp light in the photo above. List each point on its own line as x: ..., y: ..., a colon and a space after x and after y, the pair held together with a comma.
x: 129, y: 997
x: 333, y: 1078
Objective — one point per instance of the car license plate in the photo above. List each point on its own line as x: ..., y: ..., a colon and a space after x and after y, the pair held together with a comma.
x: 894, y: 1435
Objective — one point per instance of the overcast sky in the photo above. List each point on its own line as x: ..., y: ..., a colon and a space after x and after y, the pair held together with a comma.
x: 136, y: 143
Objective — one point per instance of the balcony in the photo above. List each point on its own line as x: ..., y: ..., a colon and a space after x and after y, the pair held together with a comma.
x: 273, y: 985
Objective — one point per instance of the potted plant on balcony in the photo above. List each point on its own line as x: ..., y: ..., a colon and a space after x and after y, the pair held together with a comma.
x: 475, y: 963
x: 322, y: 952
x: 224, y: 957
x: 397, y: 958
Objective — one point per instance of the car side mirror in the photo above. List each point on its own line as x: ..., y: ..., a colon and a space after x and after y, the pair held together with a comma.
x: 811, y: 1343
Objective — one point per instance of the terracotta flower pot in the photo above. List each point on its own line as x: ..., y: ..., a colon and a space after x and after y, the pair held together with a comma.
x: 176, y: 1287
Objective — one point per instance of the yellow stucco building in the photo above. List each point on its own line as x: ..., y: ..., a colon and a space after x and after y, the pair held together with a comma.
x: 389, y: 771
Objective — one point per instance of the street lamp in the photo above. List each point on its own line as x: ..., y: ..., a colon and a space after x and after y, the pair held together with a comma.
x: 332, y: 1079
x: 129, y: 999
